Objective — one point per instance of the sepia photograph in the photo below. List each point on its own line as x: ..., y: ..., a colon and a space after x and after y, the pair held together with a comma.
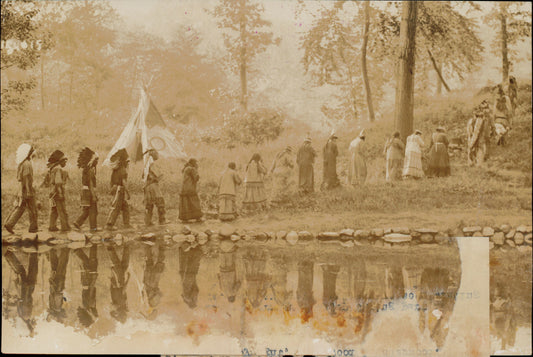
x: 266, y: 177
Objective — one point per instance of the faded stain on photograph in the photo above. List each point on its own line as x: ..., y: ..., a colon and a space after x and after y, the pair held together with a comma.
x: 266, y: 177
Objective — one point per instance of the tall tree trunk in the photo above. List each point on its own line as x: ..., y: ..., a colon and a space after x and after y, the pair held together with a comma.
x: 439, y: 73
x: 403, y: 118
x: 363, y: 63
x: 504, y: 39
x: 244, y: 84
x: 42, y: 82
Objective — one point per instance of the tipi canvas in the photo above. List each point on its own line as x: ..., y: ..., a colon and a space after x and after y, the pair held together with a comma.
x: 147, y: 130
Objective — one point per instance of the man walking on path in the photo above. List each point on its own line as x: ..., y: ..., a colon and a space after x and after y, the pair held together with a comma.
x: 119, y: 177
x: 26, y: 198
x: 152, y: 193
x: 56, y: 179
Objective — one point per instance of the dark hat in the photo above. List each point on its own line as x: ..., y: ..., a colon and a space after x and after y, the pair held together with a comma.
x: 120, y: 156
x: 56, y: 157
x: 85, y: 157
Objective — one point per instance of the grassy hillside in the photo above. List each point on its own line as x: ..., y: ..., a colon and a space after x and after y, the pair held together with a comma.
x: 504, y: 182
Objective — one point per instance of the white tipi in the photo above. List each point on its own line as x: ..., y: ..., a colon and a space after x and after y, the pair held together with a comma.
x: 145, y: 130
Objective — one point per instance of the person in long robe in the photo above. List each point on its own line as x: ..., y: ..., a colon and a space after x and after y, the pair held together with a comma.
x: 305, y: 160
x: 119, y: 178
x: 87, y: 161
x: 304, y: 292
x: 330, y: 153
x: 282, y: 176
x: 227, y: 276
x: 439, y: 159
x: 512, y: 90
x: 152, y: 192
x: 190, y: 208
x: 189, y: 264
x: 254, y: 186
x: 56, y: 179
x: 257, y: 280
x: 26, y: 198
x: 503, y: 120
x: 227, y: 191
x: 394, y: 150
x: 413, y: 156
x: 478, y: 135
x: 357, y: 170
x: 153, y: 270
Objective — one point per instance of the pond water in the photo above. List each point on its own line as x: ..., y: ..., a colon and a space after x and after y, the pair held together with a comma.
x: 245, y: 298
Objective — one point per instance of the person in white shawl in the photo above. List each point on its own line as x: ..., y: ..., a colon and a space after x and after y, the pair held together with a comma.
x: 357, y: 169
x: 413, y: 156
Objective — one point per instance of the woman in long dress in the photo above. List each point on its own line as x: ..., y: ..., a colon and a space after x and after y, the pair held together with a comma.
x: 357, y: 169
x: 189, y: 201
x: 439, y: 160
x: 254, y: 186
x: 413, y: 156
x: 282, y: 176
x: 227, y: 190
x: 394, y: 151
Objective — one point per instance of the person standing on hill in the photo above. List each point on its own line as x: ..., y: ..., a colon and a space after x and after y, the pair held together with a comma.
x: 189, y: 201
x: 26, y: 197
x: 227, y: 190
x: 87, y: 161
x: 119, y: 177
x: 413, y: 156
x: 56, y: 179
x: 282, y: 176
x: 394, y: 150
x: 439, y: 160
x: 254, y: 186
x: 305, y: 160
x: 152, y: 193
x: 357, y: 169
x: 503, y: 120
x: 330, y: 163
x: 478, y: 133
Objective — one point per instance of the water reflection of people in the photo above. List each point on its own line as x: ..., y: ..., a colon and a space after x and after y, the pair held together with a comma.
x: 502, y: 317
x: 25, y: 283
x: 119, y: 281
x: 87, y: 312
x: 58, y: 270
x: 153, y: 270
x: 227, y: 276
x: 256, y: 279
x: 304, y: 292
x: 436, y: 298
x: 279, y: 283
x: 329, y: 296
x: 189, y: 264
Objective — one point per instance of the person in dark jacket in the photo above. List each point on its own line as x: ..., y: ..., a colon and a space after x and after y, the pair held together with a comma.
x: 189, y: 201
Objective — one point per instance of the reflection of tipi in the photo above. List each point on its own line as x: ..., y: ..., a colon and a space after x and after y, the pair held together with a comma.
x: 145, y: 130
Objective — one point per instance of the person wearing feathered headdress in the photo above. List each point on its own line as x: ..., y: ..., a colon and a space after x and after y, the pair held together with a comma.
x: 26, y: 197
x: 56, y: 179
x: 87, y: 161
x: 330, y: 163
x: 152, y: 193
x: 357, y: 169
x: 119, y: 163
x: 305, y: 158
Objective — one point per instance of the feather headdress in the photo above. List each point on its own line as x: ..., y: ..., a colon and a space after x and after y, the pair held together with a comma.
x: 119, y: 158
x: 86, y: 157
x: 55, y: 158
x: 23, y: 151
